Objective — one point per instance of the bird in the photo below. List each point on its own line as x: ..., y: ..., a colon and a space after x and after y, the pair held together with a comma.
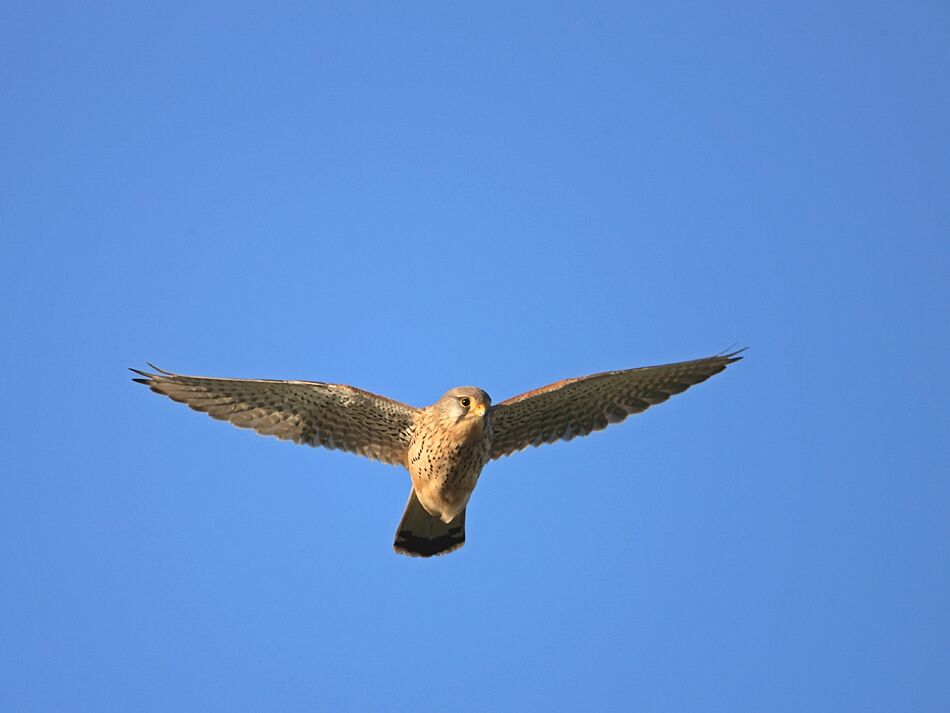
x: 444, y: 446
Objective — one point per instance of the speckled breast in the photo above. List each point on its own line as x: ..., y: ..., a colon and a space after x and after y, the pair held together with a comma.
x: 444, y: 464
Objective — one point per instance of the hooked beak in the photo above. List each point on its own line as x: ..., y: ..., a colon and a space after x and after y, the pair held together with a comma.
x: 479, y: 410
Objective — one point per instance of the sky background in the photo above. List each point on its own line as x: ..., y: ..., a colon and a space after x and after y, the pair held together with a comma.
x: 412, y: 196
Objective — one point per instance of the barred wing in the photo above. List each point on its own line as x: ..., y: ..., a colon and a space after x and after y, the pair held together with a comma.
x: 306, y: 412
x: 576, y: 407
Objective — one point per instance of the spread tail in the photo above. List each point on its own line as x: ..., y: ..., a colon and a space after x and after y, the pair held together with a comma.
x: 421, y: 535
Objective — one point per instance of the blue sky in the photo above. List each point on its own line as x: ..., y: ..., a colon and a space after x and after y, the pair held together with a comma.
x: 408, y: 197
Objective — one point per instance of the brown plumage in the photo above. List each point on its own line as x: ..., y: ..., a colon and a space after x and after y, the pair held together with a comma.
x: 443, y: 446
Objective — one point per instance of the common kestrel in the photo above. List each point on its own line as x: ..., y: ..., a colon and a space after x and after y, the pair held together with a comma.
x: 443, y: 446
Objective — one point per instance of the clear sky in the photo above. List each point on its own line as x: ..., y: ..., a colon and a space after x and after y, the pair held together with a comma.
x: 413, y: 196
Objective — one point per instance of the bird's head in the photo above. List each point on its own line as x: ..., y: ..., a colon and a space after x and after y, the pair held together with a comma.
x: 464, y: 403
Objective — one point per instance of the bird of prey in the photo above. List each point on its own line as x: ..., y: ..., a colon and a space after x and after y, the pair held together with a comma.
x: 443, y: 446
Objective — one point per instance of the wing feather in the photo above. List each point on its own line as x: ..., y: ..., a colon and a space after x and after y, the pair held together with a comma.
x: 576, y: 407
x: 307, y: 412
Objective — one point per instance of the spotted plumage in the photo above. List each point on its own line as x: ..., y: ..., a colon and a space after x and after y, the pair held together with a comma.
x: 443, y: 446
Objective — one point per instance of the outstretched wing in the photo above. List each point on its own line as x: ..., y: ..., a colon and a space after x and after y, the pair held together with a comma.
x: 575, y: 407
x: 307, y: 412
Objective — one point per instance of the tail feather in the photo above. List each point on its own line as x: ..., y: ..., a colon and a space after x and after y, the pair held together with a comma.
x: 422, y: 535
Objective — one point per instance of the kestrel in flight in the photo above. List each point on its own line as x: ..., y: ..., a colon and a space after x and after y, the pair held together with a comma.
x: 443, y: 446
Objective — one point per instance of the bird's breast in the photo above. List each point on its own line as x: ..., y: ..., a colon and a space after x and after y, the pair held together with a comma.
x: 444, y: 464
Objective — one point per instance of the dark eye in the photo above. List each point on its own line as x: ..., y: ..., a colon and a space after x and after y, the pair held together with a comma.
x: 465, y: 401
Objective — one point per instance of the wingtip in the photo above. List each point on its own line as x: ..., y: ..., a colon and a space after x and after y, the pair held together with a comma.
x: 731, y: 354
x: 150, y: 377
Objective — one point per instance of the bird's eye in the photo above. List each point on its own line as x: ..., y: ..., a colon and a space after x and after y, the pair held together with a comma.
x: 465, y: 401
